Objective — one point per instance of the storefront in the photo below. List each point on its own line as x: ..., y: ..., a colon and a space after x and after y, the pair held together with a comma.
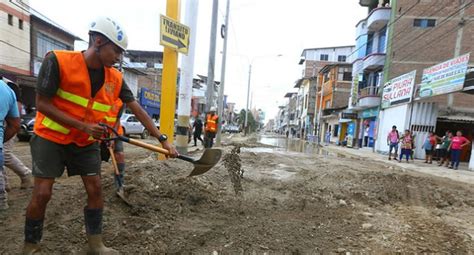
x: 347, y: 125
x: 367, y: 125
x: 150, y: 101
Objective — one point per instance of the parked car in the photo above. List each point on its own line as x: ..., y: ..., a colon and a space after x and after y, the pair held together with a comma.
x: 26, y: 127
x: 232, y: 129
x: 132, y: 126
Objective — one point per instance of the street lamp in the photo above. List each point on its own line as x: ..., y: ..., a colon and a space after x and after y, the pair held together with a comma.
x: 248, y: 89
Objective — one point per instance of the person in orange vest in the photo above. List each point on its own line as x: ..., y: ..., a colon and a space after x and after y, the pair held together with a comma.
x: 75, y: 92
x: 210, y: 129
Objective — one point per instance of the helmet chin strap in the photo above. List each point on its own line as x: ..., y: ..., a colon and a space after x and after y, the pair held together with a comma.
x: 97, y: 48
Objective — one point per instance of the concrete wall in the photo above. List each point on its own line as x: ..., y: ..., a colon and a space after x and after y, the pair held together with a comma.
x: 398, y: 116
x: 14, y: 42
x: 132, y: 81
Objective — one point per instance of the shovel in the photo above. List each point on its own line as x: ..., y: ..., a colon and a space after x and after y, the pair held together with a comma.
x: 120, y: 192
x: 209, y: 158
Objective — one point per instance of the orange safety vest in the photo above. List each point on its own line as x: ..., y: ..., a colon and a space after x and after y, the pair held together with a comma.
x: 73, y: 98
x: 112, y: 119
x: 211, y: 123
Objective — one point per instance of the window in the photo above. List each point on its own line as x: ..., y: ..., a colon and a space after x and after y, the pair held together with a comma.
x: 10, y: 19
x: 370, y: 43
x: 347, y: 76
x: 20, y: 24
x: 46, y: 44
x: 324, y: 57
x: 424, y: 23
x: 341, y: 58
x: 344, y: 74
x: 306, y: 102
x: 382, y: 40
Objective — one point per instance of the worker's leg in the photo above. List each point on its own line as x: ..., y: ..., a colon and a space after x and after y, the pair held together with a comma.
x: 120, y: 158
x: 86, y: 161
x: 12, y: 162
x: 48, y: 163
x: 93, y: 216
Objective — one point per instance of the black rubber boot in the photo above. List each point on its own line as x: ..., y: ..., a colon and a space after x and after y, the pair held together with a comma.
x: 33, y: 235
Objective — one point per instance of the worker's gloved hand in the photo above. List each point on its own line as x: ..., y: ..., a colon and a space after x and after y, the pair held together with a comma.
x: 173, y: 153
x: 94, y: 130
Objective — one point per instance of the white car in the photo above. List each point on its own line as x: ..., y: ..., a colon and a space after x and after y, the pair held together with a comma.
x: 132, y: 126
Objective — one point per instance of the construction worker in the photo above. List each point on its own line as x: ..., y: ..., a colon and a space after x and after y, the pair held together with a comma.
x: 75, y: 92
x: 9, y: 114
x: 210, y: 129
x: 10, y: 159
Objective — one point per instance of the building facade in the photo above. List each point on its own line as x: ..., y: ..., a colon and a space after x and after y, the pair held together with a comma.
x: 335, y: 83
x: 15, y: 25
x: 418, y: 31
x: 313, y: 60
x: 367, y: 71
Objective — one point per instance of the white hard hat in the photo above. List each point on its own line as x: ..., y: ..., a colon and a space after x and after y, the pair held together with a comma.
x: 110, y: 29
x: 213, y: 109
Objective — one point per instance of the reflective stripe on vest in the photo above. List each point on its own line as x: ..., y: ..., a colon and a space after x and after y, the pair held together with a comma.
x: 51, y: 124
x: 101, y: 107
x: 110, y: 119
x: 72, y: 98
x: 211, y: 124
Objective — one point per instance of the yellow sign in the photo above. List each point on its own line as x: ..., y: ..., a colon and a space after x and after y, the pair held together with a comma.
x: 174, y: 34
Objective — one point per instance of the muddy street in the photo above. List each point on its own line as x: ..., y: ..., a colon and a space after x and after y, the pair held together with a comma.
x: 267, y: 195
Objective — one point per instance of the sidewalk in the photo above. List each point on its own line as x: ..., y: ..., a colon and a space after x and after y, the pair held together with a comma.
x: 461, y: 175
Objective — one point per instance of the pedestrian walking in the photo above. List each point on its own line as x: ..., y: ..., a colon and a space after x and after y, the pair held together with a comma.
x: 210, y: 127
x: 444, y: 153
x: 197, y: 127
x: 407, y: 145
x: 328, y: 137
x: 457, y: 143
x: 393, y: 139
x: 11, y: 161
x: 366, y: 135
x: 10, y: 115
x: 75, y: 92
x: 428, y: 146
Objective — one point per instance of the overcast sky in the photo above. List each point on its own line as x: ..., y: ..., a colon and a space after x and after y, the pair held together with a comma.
x: 259, y: 31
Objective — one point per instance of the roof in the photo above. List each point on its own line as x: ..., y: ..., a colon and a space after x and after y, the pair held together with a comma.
x: 134, y: 70
x: 290, y: 94
x: 328, y: 67
x: 50, y: 22
x: 145, y: 54
x: 323, y: 48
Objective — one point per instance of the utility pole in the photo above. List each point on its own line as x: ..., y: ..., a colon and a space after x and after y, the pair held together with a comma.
x: 320, y: 113
x: 186, y: 80
x: 168, y: 89
x: 248, y: 101
x: 220, y: 99
x: 212, y: 58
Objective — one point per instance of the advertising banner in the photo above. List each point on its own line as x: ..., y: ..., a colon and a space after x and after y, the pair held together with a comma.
x: 399, y: 90
x: 444, y: 78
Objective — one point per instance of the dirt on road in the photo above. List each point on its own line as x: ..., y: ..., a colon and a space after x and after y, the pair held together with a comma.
x: 288, y: 203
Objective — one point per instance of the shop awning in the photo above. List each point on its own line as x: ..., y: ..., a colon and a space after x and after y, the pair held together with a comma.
x: 456, y: 118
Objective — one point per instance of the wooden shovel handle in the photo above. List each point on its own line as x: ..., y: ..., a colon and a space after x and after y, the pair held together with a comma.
x: 114, y: 161
x: 148, y: 146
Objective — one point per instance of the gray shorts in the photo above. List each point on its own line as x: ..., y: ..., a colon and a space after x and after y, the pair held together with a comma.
x: 50, y: 159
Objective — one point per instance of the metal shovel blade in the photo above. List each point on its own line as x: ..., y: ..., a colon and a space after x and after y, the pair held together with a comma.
x: 209, y: 159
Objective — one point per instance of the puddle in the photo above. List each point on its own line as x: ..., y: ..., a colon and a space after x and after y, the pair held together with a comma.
x: 292, y: 145
x: 280, y: 174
